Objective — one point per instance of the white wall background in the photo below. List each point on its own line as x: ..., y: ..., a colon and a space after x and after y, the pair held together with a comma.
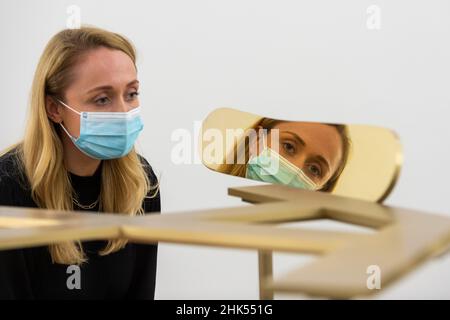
x: 302, y: 60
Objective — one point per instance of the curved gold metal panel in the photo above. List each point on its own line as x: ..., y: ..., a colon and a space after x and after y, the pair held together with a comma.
x: 352, y: 160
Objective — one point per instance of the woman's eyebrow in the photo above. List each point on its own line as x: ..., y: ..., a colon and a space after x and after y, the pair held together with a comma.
x: 133, y: 82
x: 108, y: 87
x: 296, y: 137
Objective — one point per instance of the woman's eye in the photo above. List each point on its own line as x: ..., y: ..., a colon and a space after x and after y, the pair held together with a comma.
x: 133, y: 95
x: 102, y: 101
x: 315, y: 170
x: 289, y: 148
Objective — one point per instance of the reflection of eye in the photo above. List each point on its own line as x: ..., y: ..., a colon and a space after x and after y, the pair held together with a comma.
x: 289, y: 147
x: 315, y: 169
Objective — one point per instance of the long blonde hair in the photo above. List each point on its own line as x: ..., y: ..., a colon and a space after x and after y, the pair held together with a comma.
x: 124, y: 182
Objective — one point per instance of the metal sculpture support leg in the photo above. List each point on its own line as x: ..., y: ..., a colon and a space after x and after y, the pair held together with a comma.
x: 265, y: 272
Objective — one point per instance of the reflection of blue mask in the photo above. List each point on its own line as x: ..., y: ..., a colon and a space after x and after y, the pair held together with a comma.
x: 270, y: 166
x: 107, y: 135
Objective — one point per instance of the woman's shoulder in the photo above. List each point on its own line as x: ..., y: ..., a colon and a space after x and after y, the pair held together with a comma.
x: 11, y: 167
x: 148, y: 168
x: 14, y: 189
x: 152, y: 203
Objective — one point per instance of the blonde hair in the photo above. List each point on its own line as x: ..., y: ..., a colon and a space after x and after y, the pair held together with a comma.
x: 124, y: 182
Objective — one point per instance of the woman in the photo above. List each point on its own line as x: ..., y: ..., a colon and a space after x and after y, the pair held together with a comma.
x: 306, y: 155
x: 78, y: 154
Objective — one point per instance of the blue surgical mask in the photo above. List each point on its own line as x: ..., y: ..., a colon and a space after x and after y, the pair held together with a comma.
x: 269, y: 166
x: 107, y: 135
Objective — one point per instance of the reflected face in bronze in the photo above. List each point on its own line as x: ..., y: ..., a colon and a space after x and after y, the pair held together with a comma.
x: 313, y: 147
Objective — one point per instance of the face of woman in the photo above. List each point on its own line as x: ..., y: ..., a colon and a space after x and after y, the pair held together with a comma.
x: 103, y: 80
x: 315, y: 148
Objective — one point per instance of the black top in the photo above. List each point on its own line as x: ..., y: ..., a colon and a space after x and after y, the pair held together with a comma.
x: 29, y: 273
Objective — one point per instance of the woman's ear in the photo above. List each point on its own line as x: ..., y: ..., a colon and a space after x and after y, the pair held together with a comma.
x: 53, y: 110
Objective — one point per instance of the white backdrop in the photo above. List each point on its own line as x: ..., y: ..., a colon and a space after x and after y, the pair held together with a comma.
x: 310, y: 60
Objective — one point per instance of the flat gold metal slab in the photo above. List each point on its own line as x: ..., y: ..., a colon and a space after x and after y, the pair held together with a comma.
x: 30, y: 227
x: 404, y: 239
x: 400, y: 241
